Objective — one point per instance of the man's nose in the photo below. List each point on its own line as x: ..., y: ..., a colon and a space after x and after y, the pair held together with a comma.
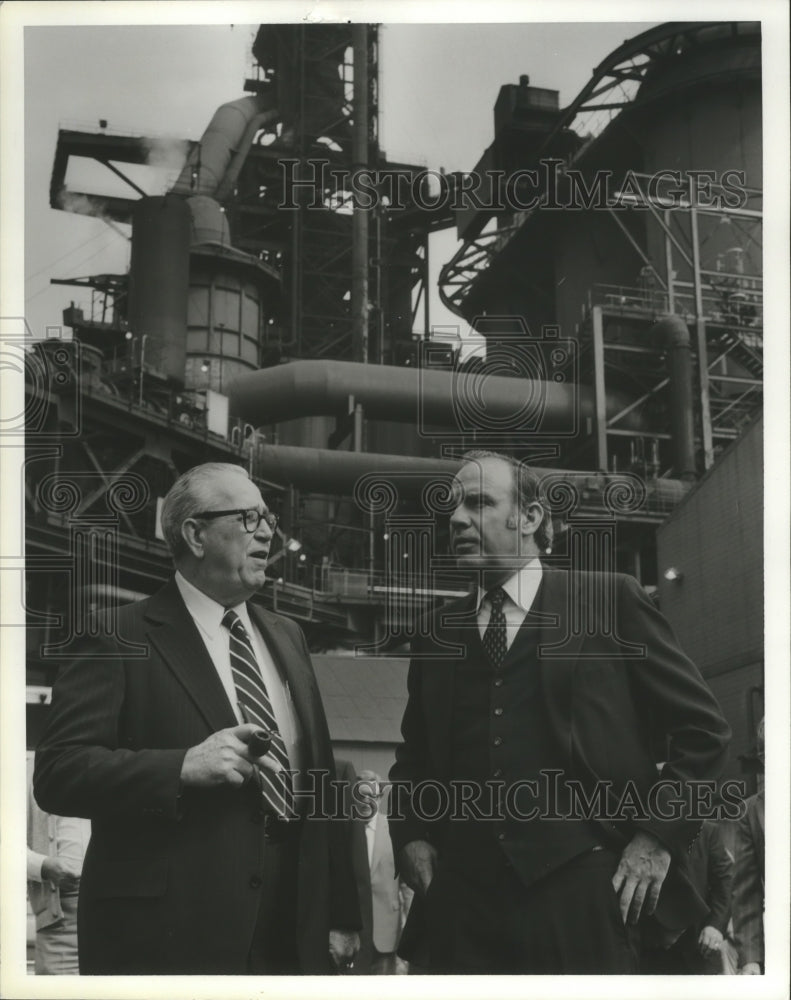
x: 459, y: 516
x: 263, y: 526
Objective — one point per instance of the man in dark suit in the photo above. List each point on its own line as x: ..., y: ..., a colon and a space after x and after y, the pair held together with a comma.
x: 205, y: 857
x: 526, y: 810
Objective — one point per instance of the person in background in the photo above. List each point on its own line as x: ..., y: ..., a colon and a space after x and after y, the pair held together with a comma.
x: 384, y: 883
x: 56, y: 848
x: 354, y: 823
x: 748, y: 881
x: 698, y: 950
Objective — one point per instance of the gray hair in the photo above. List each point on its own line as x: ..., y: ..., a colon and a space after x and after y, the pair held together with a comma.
x: 527, y: 490
x: 186, y: 497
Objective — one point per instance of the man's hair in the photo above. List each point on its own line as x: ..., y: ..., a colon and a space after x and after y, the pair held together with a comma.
x: 187, y: 496
x: 527, y: 490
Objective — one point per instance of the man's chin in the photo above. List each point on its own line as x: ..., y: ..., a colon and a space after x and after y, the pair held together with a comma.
x: 255, y: 581
x: 468, y: 558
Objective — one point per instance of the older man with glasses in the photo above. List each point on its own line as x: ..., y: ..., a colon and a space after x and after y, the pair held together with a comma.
x: 195, y: 741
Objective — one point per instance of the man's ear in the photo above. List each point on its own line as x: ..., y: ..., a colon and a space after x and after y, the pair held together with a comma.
x: 192, y: 533
x: 530, y: 519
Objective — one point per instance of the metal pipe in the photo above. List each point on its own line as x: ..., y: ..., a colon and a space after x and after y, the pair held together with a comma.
x: 359, y: 289
x: 600, y: 411
x: 674, y: 334
x: 207, y: 166
x: 702, y: 345
x: 338, y: 472
x: 463, y: 401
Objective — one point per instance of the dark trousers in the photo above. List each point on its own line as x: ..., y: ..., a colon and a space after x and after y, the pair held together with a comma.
x: 566, y: 923
x: 273, y: 951
x: 681, y: 959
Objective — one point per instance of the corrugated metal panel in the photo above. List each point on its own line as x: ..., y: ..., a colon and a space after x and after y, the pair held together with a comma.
x: 364, y: 696
x: 715, y: 538
x: 734, y: 692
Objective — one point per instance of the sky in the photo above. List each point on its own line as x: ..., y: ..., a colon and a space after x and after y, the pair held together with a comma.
x: 438, y: 85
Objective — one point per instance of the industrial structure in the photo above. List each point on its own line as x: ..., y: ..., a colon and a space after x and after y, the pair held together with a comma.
x: 274, y: 317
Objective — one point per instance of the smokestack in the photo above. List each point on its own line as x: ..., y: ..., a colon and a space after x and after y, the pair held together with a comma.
x: 159, y: 283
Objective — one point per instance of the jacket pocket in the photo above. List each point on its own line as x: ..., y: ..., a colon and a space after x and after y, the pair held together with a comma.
x: 140, y: 877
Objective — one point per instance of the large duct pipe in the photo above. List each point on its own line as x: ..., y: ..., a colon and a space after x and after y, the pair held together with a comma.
x: 463, y: 401
x: 215, y: 162
x: 338, y: 473
x: 672, y: 332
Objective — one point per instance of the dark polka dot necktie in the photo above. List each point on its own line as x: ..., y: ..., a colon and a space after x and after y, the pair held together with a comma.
x: 495, y: 638
x: 277, y: 789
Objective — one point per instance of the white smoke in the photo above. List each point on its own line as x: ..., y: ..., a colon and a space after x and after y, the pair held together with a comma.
x: 81, y: 204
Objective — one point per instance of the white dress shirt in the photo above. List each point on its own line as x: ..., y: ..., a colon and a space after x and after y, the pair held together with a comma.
x: 520, y: 592
x: 207, y: 615
x: 370, y: 837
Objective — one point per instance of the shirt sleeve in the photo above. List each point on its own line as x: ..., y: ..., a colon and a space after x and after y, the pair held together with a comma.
x: 34, y: 863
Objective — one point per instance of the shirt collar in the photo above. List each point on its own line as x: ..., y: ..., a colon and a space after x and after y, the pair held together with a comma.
x: 521, y: 587
x: 207, y: 612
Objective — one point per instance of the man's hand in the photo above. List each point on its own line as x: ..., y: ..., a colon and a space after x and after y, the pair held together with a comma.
x: 416, y: 863
x: 60, y: 873
x: 751, y: 969
x: 639, y: 876
x: 709, y: 941
x: 223, y: 759
x: 344, y: 945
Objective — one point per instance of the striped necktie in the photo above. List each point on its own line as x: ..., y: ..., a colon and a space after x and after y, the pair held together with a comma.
x: 277, y: 789
x: 495, y: 638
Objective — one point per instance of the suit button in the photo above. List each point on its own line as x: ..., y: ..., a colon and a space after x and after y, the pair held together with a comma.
x: 501, y: 836
x: 497, y: 773
x: 498, y: 682
x: 256, y: 882
x: 498, y: 741
x: 498, y: 711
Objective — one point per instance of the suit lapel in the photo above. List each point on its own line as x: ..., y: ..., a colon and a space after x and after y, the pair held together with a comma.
x: 176, y: 638
x: 457, y: 627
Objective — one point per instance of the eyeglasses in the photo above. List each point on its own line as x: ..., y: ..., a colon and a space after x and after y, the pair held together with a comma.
x: 251, y: 519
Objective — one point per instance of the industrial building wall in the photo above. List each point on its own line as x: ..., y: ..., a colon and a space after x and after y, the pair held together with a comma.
x: 715, y: 540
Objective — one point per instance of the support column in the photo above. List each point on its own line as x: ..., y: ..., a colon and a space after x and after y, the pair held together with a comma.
x: 702, y: 347
x: 359, y: 303
x: 600, y: 418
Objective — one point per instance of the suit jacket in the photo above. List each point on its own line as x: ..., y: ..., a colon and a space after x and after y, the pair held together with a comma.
x: 748, y: 883
x: 171, y: 880
x: 614, y: 690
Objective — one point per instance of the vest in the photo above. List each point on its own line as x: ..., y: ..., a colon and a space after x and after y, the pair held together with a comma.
x: 500, y: 743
